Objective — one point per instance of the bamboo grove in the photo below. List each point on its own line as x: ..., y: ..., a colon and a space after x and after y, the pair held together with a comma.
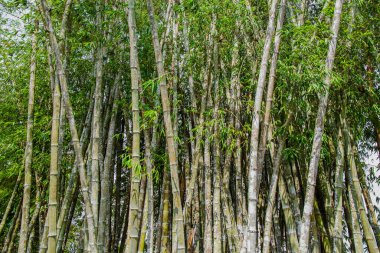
x: 189, y: 126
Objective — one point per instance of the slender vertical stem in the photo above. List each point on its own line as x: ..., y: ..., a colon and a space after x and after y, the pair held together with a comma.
x: 133, y: 224
x: 53, y: 182
x: 23, y: 242
x: 271, y: 198
x: 10, y: 202
x: 96, y: 121
x: 338, y: 237
x: 217, y: 224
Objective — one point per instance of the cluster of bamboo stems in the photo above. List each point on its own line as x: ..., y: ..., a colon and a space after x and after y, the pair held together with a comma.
x: 214, y: 194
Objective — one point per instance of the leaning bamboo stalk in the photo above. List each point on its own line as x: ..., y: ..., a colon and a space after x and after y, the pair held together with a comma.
x: 230, y: 225
x: 31, y: 240
x: 294, y: 197
x: 301, y: 14
x: 105, y: 201
x: 13, y: 236
x: 61, y: 138
x: 86, y: 245
x: 277, y: 230
x: 164, y: 39
x: 144, y: 221
x: 267, y: 238
x: 33, y: 220
x: 72, y: 185
x: 141, y: 204
x: 340, y: 157
x: 173, y: 163
x: 347, y: 215
x: 10, y: 202
x: 69, y: 217
x: 233, y: 232
x: 72, y: 124
x: 358, y: 241
x: 369, y: 204
x: 324, y: 237
x: 197, y: 154
x: 29, y: 147
x: 186, y: 41
x: 328, y: 200
x: 272, y: 196
x: 66, y: 219
x: 318, y: 132
x: 358, y: 197
x: 315, y: 242
x: 13, y: 227
x: 229, y: 221
x: 270, y: 89
x: 288, y: 214
x: 44, y: 237
x: 253, y: 183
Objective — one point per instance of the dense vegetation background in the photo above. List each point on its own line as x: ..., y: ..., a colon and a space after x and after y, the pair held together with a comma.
x: 189, y: 126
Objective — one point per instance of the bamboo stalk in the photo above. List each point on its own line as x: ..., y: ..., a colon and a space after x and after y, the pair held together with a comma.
x: 10, y: 202
x: 338, y: 237
x: 23, y: 241
x: 319, y: 126
x: 74, y: 134
x: 173, y: 163
x: 253, y: 184
x: 53, y: 181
